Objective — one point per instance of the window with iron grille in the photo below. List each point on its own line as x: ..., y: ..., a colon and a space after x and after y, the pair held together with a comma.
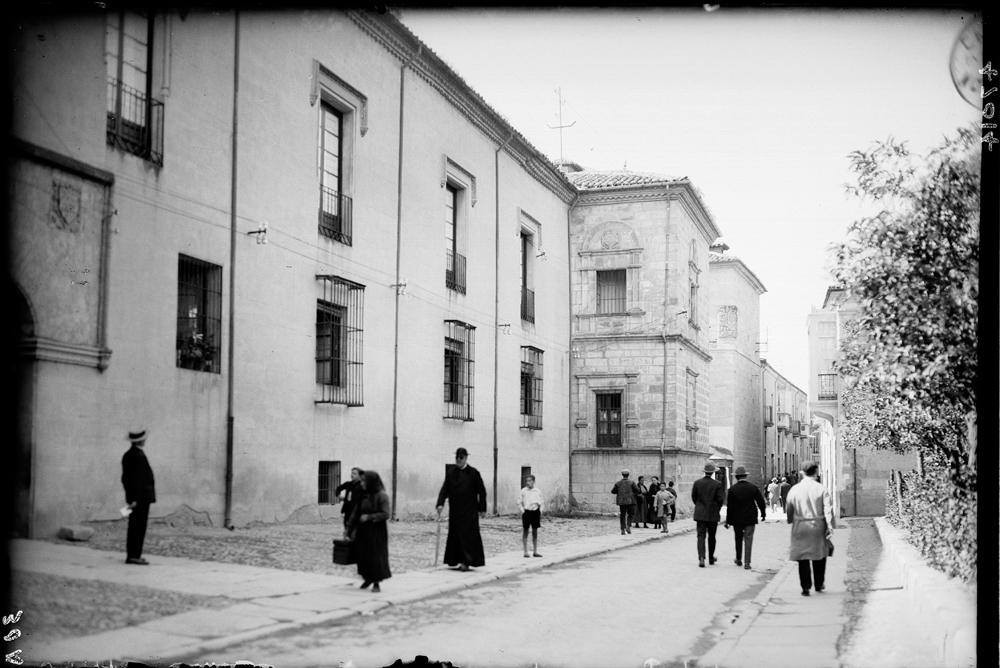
x: 531, y: 387
x: 609, y: 419
x: 459, y: 370
x: 827, y: 386
x: 525, y: 472
x: 134, y: 118
x: 454, y: 270
x: 329, y: 479
x: 527, y: 294
x: 339, y: 341
x: 199, y: 314
x: 335, y: 207
x: 611, y: 291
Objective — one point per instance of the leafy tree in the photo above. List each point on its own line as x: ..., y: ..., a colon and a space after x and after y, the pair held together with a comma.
x: 909, y: 358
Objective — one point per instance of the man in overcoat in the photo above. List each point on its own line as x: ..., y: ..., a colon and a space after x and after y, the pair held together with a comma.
x: 466, y: 495
x: 708, y: 496
x: 810, y: 512
x: 626, y: 492
x: 742, y: 502
x: 140, y: 491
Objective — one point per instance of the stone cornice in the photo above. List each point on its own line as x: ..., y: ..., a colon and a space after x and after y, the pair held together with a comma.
x: 623, y: 195
x: 742, y: 270
x: 673, y: 338
x: 396, y: 38
x: 50, y: 350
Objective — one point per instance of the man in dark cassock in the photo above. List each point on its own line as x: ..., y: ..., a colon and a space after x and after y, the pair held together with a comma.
x: 140, y: 491
x: 466, y: 494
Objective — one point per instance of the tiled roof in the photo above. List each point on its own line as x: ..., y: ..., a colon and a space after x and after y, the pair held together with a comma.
x: 720, y: 258
x: 619, y: 178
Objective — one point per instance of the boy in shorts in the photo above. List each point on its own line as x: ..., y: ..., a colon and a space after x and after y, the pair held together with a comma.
x: 531, y: 514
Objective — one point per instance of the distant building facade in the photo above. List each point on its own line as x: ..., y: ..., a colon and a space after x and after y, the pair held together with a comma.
x: 736, y: 419
x: 859, y: 475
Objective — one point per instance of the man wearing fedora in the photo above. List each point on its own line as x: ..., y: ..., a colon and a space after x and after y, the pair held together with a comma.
x: 137, y: 478
x: 708, y: 496
x: 742, y: 502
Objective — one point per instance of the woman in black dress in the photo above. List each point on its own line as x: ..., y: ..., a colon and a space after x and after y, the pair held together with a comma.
x: 369, y: 533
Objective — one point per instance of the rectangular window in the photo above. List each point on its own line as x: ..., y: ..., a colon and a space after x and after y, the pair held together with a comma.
x: 525, y: 472
x: 199, y: 314
x: 329, y: 479
x: 609, y: 419
x: 691, y: 389
x: 335, y: 207
x: 454, y: 271
x: 531, y: 387
x: 611, y: 291
x: 527, y: 294
x: 339, y: 339
x: 459, y: 370
x: 827, y: 387
x: 134, y: 118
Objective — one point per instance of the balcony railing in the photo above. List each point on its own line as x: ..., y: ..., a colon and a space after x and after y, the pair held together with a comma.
x: 335, y: 213
x: 784, y: 421
x: 135, y: 122
x: 527, y: 305
x: 768, y: 416
x: 827, y: 387
x: 531, y: 421
x: 454, y: 272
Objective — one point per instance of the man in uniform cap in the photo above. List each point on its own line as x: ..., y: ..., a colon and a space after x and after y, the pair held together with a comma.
x: 742, y: 502
x: 708, y: 497
x: 140, y: 491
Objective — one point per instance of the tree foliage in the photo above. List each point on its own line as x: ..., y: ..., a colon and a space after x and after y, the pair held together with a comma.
x: 909, y: 360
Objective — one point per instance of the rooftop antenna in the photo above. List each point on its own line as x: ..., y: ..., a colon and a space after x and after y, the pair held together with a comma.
x: 561, y: 126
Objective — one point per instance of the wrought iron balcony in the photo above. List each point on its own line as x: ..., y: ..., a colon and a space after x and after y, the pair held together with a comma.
x: 135, y: 122
x: 827, y: 387
x: 335, y: 213
x: 784, y: 421
x: 454, y: 272
x: 527, y: 305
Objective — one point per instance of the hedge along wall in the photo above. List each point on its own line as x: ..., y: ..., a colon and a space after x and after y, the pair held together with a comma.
x: 939, y: 516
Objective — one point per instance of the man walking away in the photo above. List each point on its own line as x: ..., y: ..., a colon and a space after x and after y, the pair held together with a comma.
x: 783, y: 491
x: 810, y: 512
x: 625, y: 492
x: 140, y: 491
x: 708, y: 496
x: 742, y: 502
x: 466, y: 494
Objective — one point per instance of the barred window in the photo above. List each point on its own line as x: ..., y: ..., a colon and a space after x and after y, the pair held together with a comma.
x: 329, y: 479
x: 609, y: 419
x: 339, y: 361
x: 611, y: 291
x: 199, y: 314
x: 459, y: 370
x: 531, y: 387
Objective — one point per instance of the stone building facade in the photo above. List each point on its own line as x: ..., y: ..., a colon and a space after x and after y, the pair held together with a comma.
x: 736, y: 420
x: 859, y: 475
x: 639, y: 394
x: 155, y: 156
x: 786, y: 428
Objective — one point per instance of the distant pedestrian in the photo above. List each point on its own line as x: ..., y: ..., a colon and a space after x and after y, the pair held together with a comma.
x: 531, y: 514
x: 773, y: 495
x: 708, y: 496
x: 810, y: 512
x: 465, y: 492
x: 742, y: 502
x: 625, y: 491
x: 369, y: 532
x: 640, y: 503
x: 348, y: 493
x: 664, y: 501
x: 140, y: 492
x: 651, y: 492
x: 783, y: 488
x: 673, y: 506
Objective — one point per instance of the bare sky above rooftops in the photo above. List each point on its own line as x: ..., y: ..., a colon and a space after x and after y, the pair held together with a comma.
x: 758, y: 107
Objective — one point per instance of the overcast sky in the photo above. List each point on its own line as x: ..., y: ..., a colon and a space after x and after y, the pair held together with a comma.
x: 759, y: 108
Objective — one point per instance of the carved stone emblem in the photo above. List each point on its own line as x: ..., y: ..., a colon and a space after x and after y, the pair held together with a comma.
x: 727, y: 322
x: 610, y: 240
x: 65, y: 210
